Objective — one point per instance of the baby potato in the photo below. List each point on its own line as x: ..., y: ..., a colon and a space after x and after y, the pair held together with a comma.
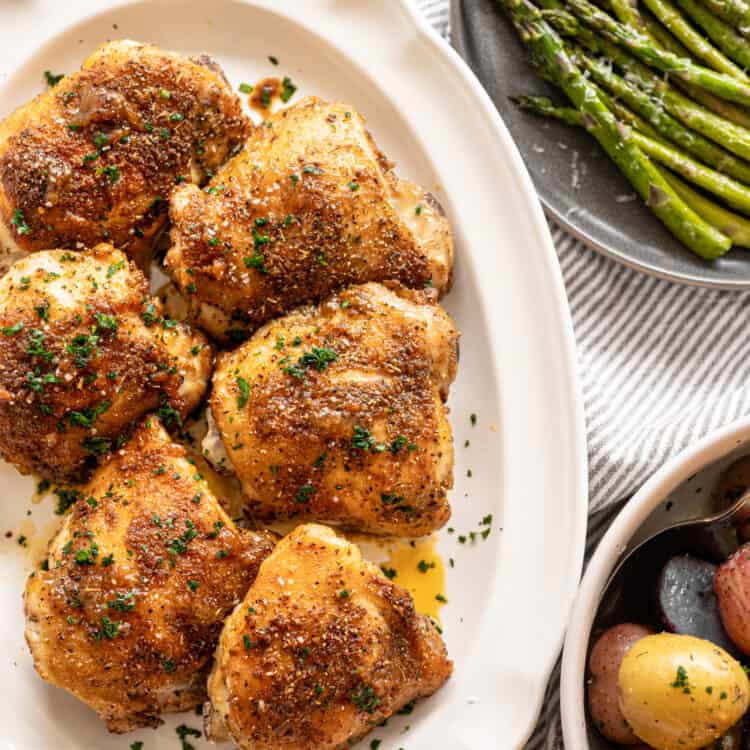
x: 604, y: 667
x: 732, y: 587
x: 678, y: 692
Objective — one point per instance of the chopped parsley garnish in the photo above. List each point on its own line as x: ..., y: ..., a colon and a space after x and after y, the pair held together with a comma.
x: 105, y: 322
x: 136, y: 745
x: 36, y: 381
x: 193, y: 585
x: 681, y: 680
x: 256, y: 261
x: 89, y: 415
x: 164, y: 94
x: 365, y: 699
x: 179, y: 545
x: 473, y: 419
x: 441, y: 598
x: 97, y: 445
x: 398, y: 443
x: 88, y: 556
x: 82, y: 347
x: 35, y: 345
x: 110, y: 171
x: 12, y: 330
x: 19, y: 222
x: 52, y: 78
x: 183, y: 732
x: 149, y: 314
x: 362, y: 439
x: 65, y: 499
x: 303, y: 493
x: 42, y: 310
x: 389, y: 573
x: 312, y: 169
x: 418, y: 210
x: 287, y: 89
x: 423, y: 566
x: 243, y: 392
x: 317, y: 358
x: 397, y: 501
x: 320, y: 461
x: 168, y: 665
x: 114, y: 268
x: 123, y: 602
x: 109, y: 629
x: 248, y: 643
x: 273, y: 60
x: 246, y: 88
x: 344, y: 593
x: 353, y: 186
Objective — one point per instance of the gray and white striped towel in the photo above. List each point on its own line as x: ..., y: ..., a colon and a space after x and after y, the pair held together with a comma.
x: 660, y: 364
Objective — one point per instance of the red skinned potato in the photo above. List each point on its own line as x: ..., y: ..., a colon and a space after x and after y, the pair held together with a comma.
x: 732, y: 587
x: 604, y: 666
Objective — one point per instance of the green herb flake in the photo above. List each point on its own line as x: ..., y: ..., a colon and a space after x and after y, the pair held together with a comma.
x: 12, y: 330
x: 287, y: 89
x: 52, y: 78
x: 19, y: 222
x: 304, y: 493
x: 243, y: 392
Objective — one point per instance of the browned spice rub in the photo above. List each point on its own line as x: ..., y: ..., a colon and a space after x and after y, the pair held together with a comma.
x: 127, y: 609
x: 322, y: 650
x: 84, y: 352
x: 308, y: 206
x: 96, y: 157
x: 335, y: 413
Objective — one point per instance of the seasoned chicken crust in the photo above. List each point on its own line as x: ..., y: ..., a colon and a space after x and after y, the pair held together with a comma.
x: 85, y: 352
x: 335, y: 413
x: 126, y: 612
x: 323, y: 649
x: 310, y: 205
x: 96, y: 157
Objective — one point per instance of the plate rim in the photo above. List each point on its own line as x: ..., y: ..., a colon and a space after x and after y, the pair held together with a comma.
x: 572, y: 412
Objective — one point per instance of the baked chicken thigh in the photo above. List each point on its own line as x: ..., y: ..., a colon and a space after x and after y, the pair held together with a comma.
x: 127, y: 609
x: 96, y: 157
x: 335, y: 413
x: 323, y: 649
x: 84, y: 352
x: 310, y: 205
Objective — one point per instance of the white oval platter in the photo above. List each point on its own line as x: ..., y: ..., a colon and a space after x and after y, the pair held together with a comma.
x: 509, y: 595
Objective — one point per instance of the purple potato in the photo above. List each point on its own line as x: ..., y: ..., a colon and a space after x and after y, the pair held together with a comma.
x: 687, y: 602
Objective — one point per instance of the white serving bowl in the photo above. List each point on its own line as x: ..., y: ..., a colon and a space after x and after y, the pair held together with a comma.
x: 680, y: 489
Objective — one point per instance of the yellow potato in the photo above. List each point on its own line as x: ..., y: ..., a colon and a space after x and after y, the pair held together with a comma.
x: 678, y: 692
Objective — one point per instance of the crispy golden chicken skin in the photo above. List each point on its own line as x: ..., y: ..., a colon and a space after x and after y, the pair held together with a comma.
x: 321, y: 651
x: 84, y: 352
x: 96, y: 157
x: 310, y: 205
x: 128, y: 608
x: 335, y: 413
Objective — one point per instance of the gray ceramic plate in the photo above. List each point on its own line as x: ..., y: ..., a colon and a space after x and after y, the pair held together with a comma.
x: 577, y: 184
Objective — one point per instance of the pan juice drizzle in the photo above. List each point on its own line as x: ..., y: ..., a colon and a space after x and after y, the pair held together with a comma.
x: 414, y: 564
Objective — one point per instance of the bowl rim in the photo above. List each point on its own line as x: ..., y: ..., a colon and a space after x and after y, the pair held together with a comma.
x: 674, y: 472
